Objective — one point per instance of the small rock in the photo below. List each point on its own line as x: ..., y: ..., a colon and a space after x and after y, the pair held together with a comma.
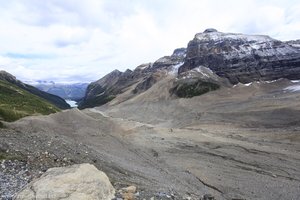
x: 128, y: 193
x: 208, y: 197
x: 187, y: 198
x: 128, y: 196
x: 131, y: 189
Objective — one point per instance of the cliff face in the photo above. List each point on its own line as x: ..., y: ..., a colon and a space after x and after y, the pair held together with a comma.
x: 138, y: 80
x: 242, y: 58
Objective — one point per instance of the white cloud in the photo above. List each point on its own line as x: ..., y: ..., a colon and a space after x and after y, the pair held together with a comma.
x: 73, y: 39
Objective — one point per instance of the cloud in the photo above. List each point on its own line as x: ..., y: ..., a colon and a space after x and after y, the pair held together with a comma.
x: 65, y: 36
x: 83, y: 40
x: 29, y: 56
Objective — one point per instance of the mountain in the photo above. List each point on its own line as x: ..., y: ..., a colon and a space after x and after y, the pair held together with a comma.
x: 188, y: 135
x: 72, y: 91
x: 55, y: 100
x: 137, y: 81
x: 242, y: 58
x: 211, y: 60
x: 17, y: 100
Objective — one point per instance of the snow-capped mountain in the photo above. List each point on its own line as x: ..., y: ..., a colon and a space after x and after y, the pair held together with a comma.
x: 242, y: 58
x: 212, y: 59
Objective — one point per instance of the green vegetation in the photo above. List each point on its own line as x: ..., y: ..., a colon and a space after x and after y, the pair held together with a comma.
x: 7, y: 156
x: 16, y: 103
x: 195, y: 88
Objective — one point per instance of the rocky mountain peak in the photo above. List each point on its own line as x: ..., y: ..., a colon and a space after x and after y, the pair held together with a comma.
x: 110, y: 77
x: 210, y: 30
x: 7, y: 76
x: 215, y: 36
x: 142, y: 67
x: 180, y: 52
x: 115, y: 72
x: 242, y: 58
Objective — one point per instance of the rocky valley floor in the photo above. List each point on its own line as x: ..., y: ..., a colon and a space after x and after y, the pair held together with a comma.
x: 233, y: 143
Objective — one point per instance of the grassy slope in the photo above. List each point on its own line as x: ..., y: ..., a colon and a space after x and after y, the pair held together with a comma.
x: 16, y: 103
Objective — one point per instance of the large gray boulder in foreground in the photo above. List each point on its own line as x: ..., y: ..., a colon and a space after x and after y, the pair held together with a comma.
x: 82, y: 181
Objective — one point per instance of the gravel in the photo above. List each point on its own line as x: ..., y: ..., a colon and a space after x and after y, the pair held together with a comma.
x: 14, y: 175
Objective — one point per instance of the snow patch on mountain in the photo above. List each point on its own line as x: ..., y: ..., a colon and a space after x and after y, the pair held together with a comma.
x: 242, y: 45
x: 295, y: 81
x: 219, y: 36
x: 293, y: 88
x: 200, y: 72
x: 175, y: 68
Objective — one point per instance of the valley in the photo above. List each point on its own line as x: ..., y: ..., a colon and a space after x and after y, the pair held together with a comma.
x: 174, y: 150
x: 216, y: 120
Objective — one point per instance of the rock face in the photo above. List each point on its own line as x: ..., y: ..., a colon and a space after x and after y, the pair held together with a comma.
x: 82, y: 181
x: 141, y: 79
x: 105, y: 89
x: 242, y: 58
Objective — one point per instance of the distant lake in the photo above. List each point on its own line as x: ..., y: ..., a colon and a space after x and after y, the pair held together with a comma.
x: 72, y: 103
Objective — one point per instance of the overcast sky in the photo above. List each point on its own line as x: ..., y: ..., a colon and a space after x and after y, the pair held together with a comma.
x: 82, y: 40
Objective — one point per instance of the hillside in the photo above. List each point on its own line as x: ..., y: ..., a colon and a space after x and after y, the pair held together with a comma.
x: 55, y: 100
x: 16, y: 103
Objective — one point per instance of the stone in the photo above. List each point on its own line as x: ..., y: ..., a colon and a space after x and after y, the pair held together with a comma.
x: 208, y: 197
x: 128, y: 192
x: 131, y: 189
x: 83, y: 181
x: 128, y: 196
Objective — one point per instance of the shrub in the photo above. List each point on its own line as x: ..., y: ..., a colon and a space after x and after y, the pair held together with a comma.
x: 195, y: 88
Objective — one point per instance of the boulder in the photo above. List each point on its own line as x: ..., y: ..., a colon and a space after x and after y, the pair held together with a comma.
x: 83, y: 181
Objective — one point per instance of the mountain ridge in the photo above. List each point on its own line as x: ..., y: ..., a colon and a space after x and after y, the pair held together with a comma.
x: 243, y: 58
x: 231, y: 57
x: 72, y: 91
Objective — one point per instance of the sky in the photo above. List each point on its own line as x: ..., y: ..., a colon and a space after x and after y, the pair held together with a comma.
x: 81, y: 41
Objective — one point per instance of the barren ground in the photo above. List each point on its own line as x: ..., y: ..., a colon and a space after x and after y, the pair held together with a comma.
x: 234, y: 143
